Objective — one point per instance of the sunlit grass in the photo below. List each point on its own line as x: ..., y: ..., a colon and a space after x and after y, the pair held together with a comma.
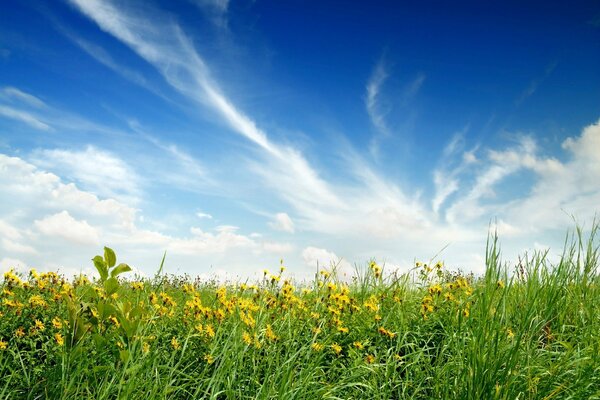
x: 528, y: 332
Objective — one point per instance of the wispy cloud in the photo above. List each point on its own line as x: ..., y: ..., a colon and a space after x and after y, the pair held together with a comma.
x: 372, y: 101
x: 103, y: 57
x: 24, y: 116
x: 216, y: 10
x: 173, y: 54
x: 376, y: 105
x: 535, y: 83
x: 454, y: 162
x: 12, y: 93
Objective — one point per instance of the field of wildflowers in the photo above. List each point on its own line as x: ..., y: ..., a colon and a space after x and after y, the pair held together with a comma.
x: 528, y: 332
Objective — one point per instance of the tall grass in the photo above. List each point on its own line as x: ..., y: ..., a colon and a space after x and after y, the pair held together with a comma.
x: 528, y: 332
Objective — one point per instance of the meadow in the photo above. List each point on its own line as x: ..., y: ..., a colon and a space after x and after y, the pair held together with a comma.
x: 526, y: 331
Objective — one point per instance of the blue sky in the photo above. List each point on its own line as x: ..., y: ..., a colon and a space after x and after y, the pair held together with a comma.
x: 233, y: 134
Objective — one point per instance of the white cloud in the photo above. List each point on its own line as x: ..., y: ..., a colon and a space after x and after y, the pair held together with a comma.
x: 64, y: 225
x: 16, y: 247
x: 200, y: 214
x: 277, y: 248
x: 24, y: 116
x: 323, y: 259
x: 97, y: 170
x: 282, y: 222
x: 9, y: 231
x: 68, y: 216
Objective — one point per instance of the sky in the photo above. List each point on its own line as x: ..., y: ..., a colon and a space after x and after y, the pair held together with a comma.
x: 235, y: 135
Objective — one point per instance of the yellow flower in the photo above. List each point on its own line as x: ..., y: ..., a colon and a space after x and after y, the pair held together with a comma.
x: 59, y: 339
x: 37, y: 300
x: 247, y: 338
x: 175, y: 343
x: 466, y: 312
x: 343, y: 329
x: 56, y: 323
x: 336, y: 348
x: 385, y: 332
x: 358, y: 345
x: 209, y: 358
x: 317, y: 346
x: 510, y: 333
x: 210, y: 332
x: 3, y: 345
x: 20, y: 332
x: 270, y: 334
x: 39, y: 325
x: 114, y: 320
x: 500, y: 284
x: 145, y: 347
x: 370, y: 359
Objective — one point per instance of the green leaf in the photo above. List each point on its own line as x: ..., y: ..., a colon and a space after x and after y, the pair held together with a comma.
x: 111, y: 286
x: 109, y: 257
x: 101, y: 267
x: 119, y: 269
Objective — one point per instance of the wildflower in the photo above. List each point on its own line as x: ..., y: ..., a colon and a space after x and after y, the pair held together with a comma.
x: 324, y: 274
x: 466, y: 312
x: 377, y: 317
x: 448, y: 296
x: 145, y: 347
x: 56, y: 323
x: 270, y: 334
x: 210, y: 332
x: 247, y: 338
x: 435, y: 289
x: 137, y: 285
x: 500, y: 284
x: 175, y: 343
x: 370, y: 359
x: 114, y: 320
x: 59, y: 339
x: 316, y: 346
x: 510, y: 333
x: 342, y: 329
x: 20, y: 332
x: 39, y: 325
x: 3, y: 345
x: 337, y: 349
x: 358, y: 345
x: 385, y: 332
x: 209, y: 359
x: 316, y: 330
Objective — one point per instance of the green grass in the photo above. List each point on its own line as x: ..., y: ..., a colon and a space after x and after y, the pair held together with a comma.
x: 531, y: 332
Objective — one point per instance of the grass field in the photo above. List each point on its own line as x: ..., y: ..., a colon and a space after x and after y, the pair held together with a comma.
x: 525, y: 332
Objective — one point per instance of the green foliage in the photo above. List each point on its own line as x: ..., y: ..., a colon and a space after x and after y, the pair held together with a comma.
x: 531, y: 333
